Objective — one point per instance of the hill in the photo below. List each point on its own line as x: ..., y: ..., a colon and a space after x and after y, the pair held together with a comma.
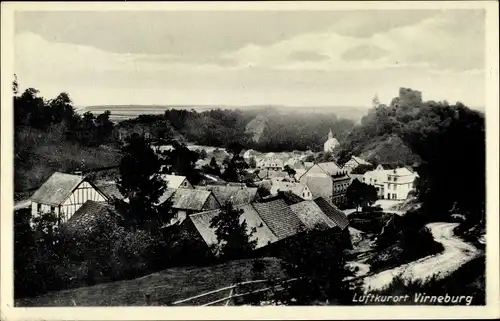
x: 123, y: 112
x: 256, y: 127
x: 387, y: 149
x: 165, y: 286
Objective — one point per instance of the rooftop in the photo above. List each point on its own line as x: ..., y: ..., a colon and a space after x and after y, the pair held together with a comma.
x: 56, y: 189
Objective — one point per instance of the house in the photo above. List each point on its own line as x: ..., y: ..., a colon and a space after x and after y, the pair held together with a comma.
x: 333, y: 212
x: 188, y: 201
x: 331, y: 143
x: 391, y: 183
x: 377, y: 178
x: 109, y: 189
x: 263, y: 235
x: 238, y: 195
x: 298, y: 189
x: 400, y: 182
x: 273, y: 221
x: 175, y: 181
x: 327, y: 180
x: 63, y: 194
x: 90, y: 214
x: 273, y: 164
x: 312, y: 215
x: 353, y: 163
x: 280, y: 219
x: 270, y: 174
x: 277, y: 225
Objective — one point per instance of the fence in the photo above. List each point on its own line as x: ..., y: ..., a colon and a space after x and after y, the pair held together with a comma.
x: 212, y: 298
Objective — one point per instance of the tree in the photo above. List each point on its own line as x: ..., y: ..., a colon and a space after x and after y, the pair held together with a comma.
x: 233, y: 239
x: 317, y: 262
x: 291, y: 172
x: 141, y: 184
x: 182, y: 161
x: 263, y: 191
x: 212, y: 168
x: 361, y: 194
x: 252, y: 163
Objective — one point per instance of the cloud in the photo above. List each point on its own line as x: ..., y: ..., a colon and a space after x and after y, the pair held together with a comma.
x: 453, y: 40
x: 307, y: 56
x: 364, y: 52
x: 439, y: 55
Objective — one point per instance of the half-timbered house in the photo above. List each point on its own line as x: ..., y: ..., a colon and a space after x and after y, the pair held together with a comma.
x: 63, y: 194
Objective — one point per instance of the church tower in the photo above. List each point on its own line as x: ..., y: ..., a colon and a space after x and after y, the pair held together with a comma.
x: 330, y: 135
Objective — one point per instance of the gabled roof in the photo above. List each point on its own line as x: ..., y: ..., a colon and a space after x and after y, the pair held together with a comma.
x: 279, y: 218
x: 263, y: 234
x: 330, y: 168
x: 332, y: 212
x: 294, y: 187
x: 110, y: 189
x: 318, y: 185
x: 57, y: 189
x: 173, y: 181
x: 312, y: 215
x: 360, y: 161
x: 237, y: 195
x: 90, y: 214
x: 190, y: 199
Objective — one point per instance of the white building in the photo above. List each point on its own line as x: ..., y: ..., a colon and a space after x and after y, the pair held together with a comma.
x: 331, y: 143
x: 400, y: 182
x: 391, y: 183
x: 299, y: 189
x: 63, y: 194
x: 274, y: 164
x: 353, y: 163
x: 175, y: 181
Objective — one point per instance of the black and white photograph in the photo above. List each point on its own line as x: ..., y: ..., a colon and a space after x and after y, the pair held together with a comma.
x: 211, y: 157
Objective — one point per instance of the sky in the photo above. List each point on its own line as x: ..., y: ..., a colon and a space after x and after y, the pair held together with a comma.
x: 297, y: 58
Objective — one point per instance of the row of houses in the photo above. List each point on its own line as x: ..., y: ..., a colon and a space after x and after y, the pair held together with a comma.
x: 329, y: 180
x: 78, y: 202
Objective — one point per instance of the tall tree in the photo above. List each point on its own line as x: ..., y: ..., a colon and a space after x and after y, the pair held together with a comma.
x: 141, y: 184
x: 232, y: 236
x: 182, y: 161
x: 361, y: 194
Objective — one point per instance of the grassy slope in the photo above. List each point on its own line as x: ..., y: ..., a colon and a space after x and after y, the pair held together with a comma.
x: 40, y: 154
x: 388, y: 149
x: 177, y: 283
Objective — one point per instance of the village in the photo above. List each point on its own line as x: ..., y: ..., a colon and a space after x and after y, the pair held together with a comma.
x: 228, y: 165
x: 318, y: 188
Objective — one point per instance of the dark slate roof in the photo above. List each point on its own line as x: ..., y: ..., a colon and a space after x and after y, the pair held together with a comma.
x: 89, y: 214
x: 237, y: 195
x: 190, y: 199
x: 56, y: 189
x: 280, y: 219
x: 312, y: 215
x: 263, y: 234
x: 110, y: 189
x: 332, y: 212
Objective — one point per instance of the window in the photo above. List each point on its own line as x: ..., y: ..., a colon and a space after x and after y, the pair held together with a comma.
x: 393, y: 196
x: 52, y: 209
x: 38, y: 207
x: 395, y: 178
x: 185, y: 183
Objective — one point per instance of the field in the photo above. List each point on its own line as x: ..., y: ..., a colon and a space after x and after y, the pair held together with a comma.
x: 122, y: 112
x: 164, y: 287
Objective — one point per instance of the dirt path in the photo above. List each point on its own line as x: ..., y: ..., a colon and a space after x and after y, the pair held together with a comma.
x: 456, y: 253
